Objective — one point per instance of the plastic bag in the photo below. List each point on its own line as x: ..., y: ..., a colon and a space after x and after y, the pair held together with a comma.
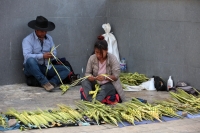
x: 148, y: 85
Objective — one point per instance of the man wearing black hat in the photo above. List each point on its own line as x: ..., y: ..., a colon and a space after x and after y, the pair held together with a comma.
x: 37, y: 51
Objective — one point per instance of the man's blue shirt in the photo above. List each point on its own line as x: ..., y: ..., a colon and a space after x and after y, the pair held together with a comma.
x: 32, y: 47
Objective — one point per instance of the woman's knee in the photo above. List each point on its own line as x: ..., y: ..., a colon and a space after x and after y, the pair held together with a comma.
x: 85, y: 83
x: 109, y: 86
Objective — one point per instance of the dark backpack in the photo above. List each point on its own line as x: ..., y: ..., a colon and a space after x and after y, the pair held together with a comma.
x: 159, y: 84
x: 72, y: 76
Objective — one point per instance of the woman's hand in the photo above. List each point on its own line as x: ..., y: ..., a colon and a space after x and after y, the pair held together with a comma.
x: 100, y: 78
x: 91, y: 78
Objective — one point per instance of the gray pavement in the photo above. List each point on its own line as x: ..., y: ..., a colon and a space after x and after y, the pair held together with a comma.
x: 22, y: 97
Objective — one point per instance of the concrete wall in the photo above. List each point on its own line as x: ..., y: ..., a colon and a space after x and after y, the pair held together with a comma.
x: 159, y: 37
x: 78, y: 23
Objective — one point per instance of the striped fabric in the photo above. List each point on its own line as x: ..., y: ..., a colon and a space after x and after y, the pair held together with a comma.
x: 112, y: 68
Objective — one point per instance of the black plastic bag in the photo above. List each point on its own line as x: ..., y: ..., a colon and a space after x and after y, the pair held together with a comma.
x: 159, y: 84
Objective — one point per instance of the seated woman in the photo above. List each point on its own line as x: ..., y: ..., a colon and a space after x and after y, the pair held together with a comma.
x: 100, y: 63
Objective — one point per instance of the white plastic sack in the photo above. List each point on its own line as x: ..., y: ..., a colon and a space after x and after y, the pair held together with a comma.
x: 151, y: 85
x: 111, y: 40
x: 132, y: 88
x: 145, y: 85
x: 148, y: 85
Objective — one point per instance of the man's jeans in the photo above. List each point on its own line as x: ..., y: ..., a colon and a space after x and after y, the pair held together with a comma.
x: 32, y: 68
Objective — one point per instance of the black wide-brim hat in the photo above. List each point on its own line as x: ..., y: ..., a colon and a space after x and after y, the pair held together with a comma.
x: 41, y: 23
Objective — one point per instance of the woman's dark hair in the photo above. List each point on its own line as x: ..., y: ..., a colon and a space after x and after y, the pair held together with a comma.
x: 101, y: 44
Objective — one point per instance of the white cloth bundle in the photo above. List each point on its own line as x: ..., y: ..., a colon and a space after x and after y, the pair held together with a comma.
x: 111, y: 40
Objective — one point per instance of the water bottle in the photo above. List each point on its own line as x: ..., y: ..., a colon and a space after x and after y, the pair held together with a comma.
x: 169, y: 83
x: 123, y: 65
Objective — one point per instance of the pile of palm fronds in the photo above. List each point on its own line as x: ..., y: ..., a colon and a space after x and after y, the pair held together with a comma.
x: 3, y: 121
x: 132, y: 79
x: 130, y: 111
x: 45, y: 119
x: 98, y: 112
x: 135, y: 110
x: 182, y: 101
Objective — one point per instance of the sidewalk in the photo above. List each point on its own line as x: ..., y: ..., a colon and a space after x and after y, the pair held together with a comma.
x: 22, y: 97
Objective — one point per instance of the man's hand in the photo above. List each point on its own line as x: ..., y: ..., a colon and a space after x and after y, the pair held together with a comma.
x: 47, y: 55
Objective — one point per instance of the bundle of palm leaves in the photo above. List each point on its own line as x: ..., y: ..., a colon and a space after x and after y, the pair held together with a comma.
x: 3, y: 121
